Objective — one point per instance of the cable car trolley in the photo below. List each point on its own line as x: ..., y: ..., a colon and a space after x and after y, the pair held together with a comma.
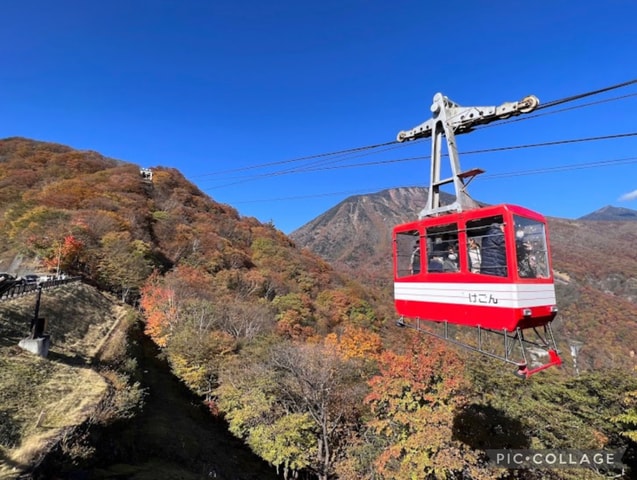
x: 467, y: 265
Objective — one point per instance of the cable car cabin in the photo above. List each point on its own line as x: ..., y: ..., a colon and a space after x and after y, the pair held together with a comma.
x: 482, y: 267
x: 487, y: 267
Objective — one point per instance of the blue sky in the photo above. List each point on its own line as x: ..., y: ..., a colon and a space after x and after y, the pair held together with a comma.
x: 231, y: 93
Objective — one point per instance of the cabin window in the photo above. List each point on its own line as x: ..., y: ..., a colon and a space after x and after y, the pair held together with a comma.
x: 442, y: 249
x: 531, y: 248
x: 408, y: 261
x: 486, y: 246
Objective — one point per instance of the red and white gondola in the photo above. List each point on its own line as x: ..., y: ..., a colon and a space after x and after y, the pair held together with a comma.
x: 485, y: 267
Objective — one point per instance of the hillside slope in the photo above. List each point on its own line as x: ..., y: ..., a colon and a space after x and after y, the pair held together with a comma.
x: 42, y: 400
x: 87, y: 215
x: 215, y: 287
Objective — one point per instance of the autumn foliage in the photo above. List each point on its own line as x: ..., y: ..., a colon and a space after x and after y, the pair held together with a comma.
x: 302, y: 361
x: 160, y: 310
x: 414, y: 400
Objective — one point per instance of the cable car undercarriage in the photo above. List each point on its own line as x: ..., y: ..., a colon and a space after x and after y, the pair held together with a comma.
x: 535, y: 349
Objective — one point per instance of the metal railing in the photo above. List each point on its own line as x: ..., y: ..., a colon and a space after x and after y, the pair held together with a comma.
x: 21, y: 289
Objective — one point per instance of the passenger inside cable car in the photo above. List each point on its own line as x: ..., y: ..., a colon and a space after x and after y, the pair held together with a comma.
x: 415, y: 258
x: 474, y: 255
x: 477, y: 246
x: 494, y: 261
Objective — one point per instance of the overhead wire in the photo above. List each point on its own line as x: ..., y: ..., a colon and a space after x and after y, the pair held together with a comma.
x: 553, y: 103
x: 422, y: 157
x: 572, y: 98
x: 396, y: 144
x: 563, y: 168
x: 298, y: 159
x: 391, y: 146
x: 561, y: 110
x: 518, y: 173
x: 348, y: 154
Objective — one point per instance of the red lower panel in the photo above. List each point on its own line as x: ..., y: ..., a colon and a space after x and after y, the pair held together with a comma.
x: 494, y: 318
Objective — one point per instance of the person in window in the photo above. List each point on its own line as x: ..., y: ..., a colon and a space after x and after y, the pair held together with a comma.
x: 435, y: 264
x: 450, y: 261
x: 439, y: 247
x: 494, y: 251
x: 415, y: 259
x: 475, y: 257
x: 527, y: 265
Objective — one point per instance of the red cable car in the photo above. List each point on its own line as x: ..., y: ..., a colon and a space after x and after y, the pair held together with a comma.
x: 483, y: 267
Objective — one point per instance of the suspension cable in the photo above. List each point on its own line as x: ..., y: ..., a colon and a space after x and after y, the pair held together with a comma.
x: 298, y: 159
x: 394, y: 143
x: 561, y: 110
x: 585, y: 94
x: 315, y: 168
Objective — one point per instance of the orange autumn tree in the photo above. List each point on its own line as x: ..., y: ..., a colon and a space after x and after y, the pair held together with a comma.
x: 163, y: 299
x: 338, y: 306
x: 356, y: 342
x: 63, y: 255
x: 413, y: 401
x: 71, y: 250
x: 160, y: 310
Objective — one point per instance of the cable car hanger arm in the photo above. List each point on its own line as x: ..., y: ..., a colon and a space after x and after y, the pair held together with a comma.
x: 463, y: 119
x: 448, y: 119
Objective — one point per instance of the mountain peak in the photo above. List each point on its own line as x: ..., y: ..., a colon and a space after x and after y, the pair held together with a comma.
x: 610, y: 213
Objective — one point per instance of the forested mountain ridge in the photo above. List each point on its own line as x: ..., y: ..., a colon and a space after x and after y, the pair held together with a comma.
x: 221, y: 283
x: 303, y: 362
x: 355, y: 235
x: 101, y: 220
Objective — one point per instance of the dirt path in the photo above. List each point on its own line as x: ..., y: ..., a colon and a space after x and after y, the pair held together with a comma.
x: 174, y: 437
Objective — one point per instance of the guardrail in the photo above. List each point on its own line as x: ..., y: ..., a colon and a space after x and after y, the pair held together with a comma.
x: 19, y: 290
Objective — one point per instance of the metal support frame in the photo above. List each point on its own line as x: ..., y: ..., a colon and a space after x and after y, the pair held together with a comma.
x: 545, y: 342
x: 450, y: 119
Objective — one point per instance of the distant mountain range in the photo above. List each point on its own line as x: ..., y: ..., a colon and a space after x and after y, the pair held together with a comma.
x: 356, y: 233
x: 610, y: 213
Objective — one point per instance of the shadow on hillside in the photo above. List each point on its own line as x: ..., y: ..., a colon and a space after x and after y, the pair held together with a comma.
x: 12, y: 328
x: 173, y: 436
x: 70, y: 360
x: 483, y: 427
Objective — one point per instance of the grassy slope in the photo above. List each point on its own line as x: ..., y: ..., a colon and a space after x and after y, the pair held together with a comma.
x: 41, y: 399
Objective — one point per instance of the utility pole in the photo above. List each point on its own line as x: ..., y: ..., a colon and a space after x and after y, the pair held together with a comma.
x: 57, y: 270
